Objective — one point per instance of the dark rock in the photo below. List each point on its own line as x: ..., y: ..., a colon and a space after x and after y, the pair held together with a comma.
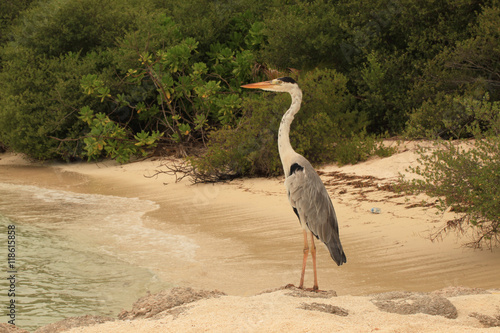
x: 487, y: 321
x: 411, y: 303
x: 152, y: 304
x: 328, y: 308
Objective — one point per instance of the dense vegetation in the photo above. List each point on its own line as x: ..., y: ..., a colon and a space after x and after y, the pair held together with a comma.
x: 88, y: 79
x: 464, y: 177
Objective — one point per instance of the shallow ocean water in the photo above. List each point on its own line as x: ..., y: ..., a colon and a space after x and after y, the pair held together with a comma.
x: 58, y: 272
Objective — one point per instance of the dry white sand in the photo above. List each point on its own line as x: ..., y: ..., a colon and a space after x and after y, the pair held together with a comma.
x: 280, y: 312
x: 248, y: 240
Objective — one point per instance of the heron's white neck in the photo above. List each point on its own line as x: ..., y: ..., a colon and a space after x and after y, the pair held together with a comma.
x: 285, y: 148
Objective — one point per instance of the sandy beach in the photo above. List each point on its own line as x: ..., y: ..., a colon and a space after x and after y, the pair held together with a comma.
x: 241, y: 238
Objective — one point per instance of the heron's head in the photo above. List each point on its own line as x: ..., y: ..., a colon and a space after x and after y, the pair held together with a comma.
x: 282, y: 84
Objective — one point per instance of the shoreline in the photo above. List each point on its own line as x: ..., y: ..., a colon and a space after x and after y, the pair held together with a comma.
x: 248, y: 239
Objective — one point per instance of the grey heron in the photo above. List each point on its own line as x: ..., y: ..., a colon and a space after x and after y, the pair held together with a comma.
x: 306, y: 193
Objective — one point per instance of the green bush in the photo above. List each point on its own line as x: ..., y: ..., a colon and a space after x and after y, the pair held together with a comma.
x: 40, y: 103
x: 9, y: 11
x: 417, y: 68
x: 303, y: 35
x: 219, y: 22
x: 326, y: 116
x: 170, y: 85
x: 455, y: 117
x: 56, y: 27
x: 147, y: 77
x: 250, y: 148
x: 359, y: 148
x: 459, y: 76
x: 52, y: 46
x: 467, y: 181
x: 108, y: 136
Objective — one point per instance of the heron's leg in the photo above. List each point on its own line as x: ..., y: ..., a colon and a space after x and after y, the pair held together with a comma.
x: 313, y: 254
x: 306, y: 252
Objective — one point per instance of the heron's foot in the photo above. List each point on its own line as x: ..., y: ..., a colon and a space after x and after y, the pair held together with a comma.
x: 313, y: 289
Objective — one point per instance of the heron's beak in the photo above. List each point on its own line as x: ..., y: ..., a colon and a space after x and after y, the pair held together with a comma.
x: 259, y: 85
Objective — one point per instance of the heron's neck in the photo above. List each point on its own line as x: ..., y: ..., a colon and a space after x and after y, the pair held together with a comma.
x: 285, y: 148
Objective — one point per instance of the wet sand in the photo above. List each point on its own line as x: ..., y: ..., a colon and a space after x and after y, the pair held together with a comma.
x: 247, y: 239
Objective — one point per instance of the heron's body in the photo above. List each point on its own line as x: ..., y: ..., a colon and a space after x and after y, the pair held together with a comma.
x: 307, y: 194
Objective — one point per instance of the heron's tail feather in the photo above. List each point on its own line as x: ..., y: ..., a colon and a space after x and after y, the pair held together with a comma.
x: 336, y: 251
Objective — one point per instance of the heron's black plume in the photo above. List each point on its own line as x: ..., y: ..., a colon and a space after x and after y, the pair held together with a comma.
x: 287, y: 79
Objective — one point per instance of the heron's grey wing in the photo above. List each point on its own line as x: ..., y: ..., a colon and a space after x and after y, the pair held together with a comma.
x: 311, y: 202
